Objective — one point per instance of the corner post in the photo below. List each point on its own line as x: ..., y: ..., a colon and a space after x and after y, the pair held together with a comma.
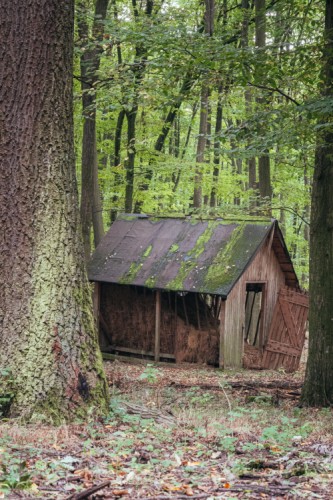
x: 157, y: 325
x: 221, y: 344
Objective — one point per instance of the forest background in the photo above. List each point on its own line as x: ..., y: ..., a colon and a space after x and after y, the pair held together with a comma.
x: 207, y: 107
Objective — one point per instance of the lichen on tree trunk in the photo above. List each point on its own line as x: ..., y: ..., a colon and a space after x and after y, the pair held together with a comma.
x: 47, y: 334
x: 318, y: 386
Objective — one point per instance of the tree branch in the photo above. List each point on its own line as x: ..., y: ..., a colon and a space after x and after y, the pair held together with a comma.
x: 274, y: 89
x: 292, y: 211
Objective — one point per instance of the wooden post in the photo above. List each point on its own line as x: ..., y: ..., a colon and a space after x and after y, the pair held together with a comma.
x: 96, y: 303
x: 157, y: 325
x: 222, y: 325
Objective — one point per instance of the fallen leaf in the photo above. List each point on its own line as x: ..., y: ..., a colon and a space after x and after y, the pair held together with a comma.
x: 34, y: 488
x: 226, y: 485
x: 120, y: 493
x: 204, y: 488
x: 170, y: 487
x: 84, y: 473
x: 189, y: 491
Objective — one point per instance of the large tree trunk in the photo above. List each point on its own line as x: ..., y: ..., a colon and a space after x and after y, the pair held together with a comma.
x: 91, y: 206
x: 47, y: 333
x: 318, y: 387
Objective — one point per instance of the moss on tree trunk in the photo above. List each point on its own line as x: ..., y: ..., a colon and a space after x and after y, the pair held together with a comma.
x: 318, y: 387
x: 48, y: 337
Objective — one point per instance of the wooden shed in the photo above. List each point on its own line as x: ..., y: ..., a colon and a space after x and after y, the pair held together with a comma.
x: 215, y: 291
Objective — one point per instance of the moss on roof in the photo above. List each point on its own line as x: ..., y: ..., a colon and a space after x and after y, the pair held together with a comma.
x: 181, y: 254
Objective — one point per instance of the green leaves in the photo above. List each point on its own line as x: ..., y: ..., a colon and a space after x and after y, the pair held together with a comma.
x: 6, y: 391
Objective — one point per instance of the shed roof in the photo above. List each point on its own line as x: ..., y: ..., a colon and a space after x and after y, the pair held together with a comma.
x: 183, y: 254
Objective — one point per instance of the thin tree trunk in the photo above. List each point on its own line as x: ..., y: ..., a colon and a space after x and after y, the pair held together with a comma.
x: 117, y: 138
x: 203, y: 126
x: 265, y: 188
x: 217, y: 148
x: 130, y: 161
x: 138, y: 71
x: 176, y: 176
x: 189, y: 130
x: 201, y: 147
x: 251, y: 162
x: 91, y: 203
x: 117, y: 161
x: 48, y: 339
x: 187, y: 85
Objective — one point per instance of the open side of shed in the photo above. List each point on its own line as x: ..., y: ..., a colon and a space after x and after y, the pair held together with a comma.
x: 188, y: 289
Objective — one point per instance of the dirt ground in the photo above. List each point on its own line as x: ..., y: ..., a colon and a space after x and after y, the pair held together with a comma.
x: 176, y: 432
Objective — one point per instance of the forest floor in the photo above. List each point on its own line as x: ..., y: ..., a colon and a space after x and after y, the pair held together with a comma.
x: 176, y: 433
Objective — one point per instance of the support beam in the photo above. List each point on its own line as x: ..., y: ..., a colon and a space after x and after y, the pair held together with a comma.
x: 222, y: 326
x: 157, y: 325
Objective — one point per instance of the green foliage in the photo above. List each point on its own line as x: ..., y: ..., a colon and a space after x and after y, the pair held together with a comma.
x: 6, y: 392
x: 150, y: 374
x: 155, y: 64
x: 13, y: 473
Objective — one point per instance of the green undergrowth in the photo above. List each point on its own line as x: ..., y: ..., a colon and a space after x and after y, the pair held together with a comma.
x: 167, y: 434
x: 6, y: 392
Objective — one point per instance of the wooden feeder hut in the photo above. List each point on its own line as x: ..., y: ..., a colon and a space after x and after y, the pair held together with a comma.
x: 214, y: 291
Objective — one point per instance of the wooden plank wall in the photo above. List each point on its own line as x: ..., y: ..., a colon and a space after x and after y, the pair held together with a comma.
x: 264, y: 268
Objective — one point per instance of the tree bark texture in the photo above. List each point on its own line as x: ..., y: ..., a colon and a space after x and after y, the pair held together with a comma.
x: 130, y: 160
x: 137, y: 70
x: 185, y: 89
x: 265, y: 188
x: 201, y: 146
x: 217, y: 147
x: 91, y: 205
x: 318, y: 386
x: 251, y: 163
x: 203, y: 125
x: 47, y: 333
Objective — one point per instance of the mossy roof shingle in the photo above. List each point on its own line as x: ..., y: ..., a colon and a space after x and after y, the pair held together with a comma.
x: 181, y: 254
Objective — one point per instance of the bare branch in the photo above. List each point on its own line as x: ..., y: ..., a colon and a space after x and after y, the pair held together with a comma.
x: 274, y: 89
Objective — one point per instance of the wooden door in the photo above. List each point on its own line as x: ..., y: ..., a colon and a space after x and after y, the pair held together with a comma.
x: 287, y: 332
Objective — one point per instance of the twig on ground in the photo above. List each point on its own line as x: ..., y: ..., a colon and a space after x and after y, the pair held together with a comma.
x: 152, y: 413
x: 89, y: 491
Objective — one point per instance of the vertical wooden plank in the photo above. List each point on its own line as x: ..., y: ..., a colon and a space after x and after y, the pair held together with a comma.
x: 197, y: 310
x: 222, y: 327
x: 96, y: 303
x: 157, y: 325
